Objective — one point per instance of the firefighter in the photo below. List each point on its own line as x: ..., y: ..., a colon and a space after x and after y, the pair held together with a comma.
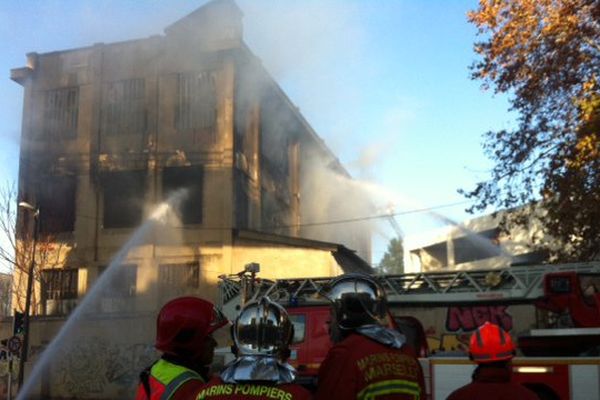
x: 261, y: 335
x: 368, y: 360
x: 184, y: 328
x: 492, y: 349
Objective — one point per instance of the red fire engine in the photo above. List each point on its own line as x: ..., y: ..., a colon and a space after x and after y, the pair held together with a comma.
x: 554, y: 310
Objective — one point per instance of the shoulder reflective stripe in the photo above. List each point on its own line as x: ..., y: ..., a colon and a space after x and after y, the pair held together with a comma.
x: 165, y: 372
x: 394, y: 386
x: 177, y: 382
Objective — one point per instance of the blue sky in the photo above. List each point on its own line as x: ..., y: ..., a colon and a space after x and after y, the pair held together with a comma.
x: 384, y: 83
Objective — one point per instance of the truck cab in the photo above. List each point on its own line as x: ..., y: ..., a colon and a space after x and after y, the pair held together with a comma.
x: 572, y: 301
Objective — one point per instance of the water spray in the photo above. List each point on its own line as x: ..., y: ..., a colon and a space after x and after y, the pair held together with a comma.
x: 158, y: 218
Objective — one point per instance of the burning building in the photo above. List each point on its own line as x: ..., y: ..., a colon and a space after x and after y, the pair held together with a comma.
x: 110, y: 131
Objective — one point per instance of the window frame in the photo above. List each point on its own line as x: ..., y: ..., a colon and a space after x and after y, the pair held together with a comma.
x: 60, y: 121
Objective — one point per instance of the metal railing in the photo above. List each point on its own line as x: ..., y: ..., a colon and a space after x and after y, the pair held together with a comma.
x: 514, y: 284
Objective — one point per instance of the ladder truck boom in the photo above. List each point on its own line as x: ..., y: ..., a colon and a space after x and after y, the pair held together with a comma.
x: 510, y: 285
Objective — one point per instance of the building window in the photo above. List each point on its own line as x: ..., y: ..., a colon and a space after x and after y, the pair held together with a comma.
x: 434, y: 256
x: 5, y: 294
x: 179, y: 276
x: 123, y: 108
x: 119, y: 289
x: 196, y: 107
x: 189, y: 180
x: 59, y: 284
x: 478, y: 246
x: 122, y: 281
x: 61, y: 111
x: 123, y: 198
x: 242, y: 201
x: 55, y: 197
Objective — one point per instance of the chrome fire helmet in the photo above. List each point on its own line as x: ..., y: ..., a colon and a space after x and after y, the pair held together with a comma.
x: 357, y: 300
x: 262, y: 328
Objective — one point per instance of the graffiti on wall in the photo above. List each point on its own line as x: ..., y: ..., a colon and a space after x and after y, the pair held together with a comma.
x: 6, y: 366
x: 460, y: 322
x: 91, y: 366
x: 467, y: 319
x: 442, y: 341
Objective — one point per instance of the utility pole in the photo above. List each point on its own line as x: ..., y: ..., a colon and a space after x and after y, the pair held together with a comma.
x: 10, y: 367
x: 29, y: 290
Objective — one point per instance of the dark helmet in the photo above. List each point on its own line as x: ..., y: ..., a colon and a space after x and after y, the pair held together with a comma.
x: 183, y: 324
x: 262, y: 328
x: 357, y: 300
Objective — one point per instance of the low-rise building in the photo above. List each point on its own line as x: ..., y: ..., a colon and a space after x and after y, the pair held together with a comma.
x: 158, y: 165
x: 478, y: 243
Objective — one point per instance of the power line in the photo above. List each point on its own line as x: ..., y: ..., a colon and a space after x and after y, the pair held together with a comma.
x: 322, y: 223
x: 386, y: 215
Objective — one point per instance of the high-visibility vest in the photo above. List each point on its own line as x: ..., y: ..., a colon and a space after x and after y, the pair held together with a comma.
x: 163, y: 380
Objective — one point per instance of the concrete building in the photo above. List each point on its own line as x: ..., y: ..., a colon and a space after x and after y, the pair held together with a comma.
x: 478, y: 243
x: 190, y: 118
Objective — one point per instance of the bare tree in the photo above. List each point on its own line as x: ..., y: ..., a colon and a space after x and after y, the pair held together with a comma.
x: 16, y: 247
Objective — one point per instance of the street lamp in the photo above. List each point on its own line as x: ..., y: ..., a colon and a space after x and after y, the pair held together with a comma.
x: 23, y: 358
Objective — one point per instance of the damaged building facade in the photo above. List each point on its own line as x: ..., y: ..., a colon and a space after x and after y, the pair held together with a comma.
x: 111, y: 131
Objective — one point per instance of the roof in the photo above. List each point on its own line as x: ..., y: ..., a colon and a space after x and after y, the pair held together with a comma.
x: 346, y: 258
x: 350, y: 261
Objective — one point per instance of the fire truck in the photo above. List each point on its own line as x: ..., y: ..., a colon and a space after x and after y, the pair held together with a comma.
x: 553, y: 311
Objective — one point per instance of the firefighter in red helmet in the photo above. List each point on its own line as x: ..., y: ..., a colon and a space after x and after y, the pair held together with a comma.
x: 492, y: 349
x: 368, y: 360
x: 184, y: 328
x: 261, y: 334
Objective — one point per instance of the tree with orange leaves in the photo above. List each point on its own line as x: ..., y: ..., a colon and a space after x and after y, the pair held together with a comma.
x: 545, y: 54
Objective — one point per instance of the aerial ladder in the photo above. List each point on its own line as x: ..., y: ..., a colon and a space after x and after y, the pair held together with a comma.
x: 514, y: 285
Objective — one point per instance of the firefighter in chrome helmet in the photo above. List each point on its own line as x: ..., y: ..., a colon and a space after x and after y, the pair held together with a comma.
x: 261, y: 334
x: 492, y: 349
x: 368, y: 360
x: 184, y: 328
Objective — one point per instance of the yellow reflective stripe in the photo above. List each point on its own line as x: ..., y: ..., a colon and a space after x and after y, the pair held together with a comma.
x: 176, y: 383
x: 165, y: 372
x: 393, y: 386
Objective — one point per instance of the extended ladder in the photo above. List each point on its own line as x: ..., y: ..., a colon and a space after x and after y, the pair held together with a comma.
x: 514, y: 284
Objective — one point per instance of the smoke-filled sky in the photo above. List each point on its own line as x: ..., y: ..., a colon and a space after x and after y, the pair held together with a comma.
x: 385, y: 84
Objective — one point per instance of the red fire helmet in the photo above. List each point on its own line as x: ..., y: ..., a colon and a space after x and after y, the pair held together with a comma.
x: 183, y: 324
x: 490, y: 343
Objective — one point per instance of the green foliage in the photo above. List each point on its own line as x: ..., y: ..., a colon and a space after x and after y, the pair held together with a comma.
x: 393, y: 259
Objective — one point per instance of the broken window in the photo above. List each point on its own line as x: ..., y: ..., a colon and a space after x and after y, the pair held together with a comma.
x: 55, y: 197
x: 123, y: 198
x: 58, y: 291
x: 59, y: 284
x: 434, y: 256
x: 477, y: 246
x: 123, y: 108
x: 61, y: 109
x: 242, y: 206
x: 196, y: 107
x: 189, y: 180
x: 179, y: 276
